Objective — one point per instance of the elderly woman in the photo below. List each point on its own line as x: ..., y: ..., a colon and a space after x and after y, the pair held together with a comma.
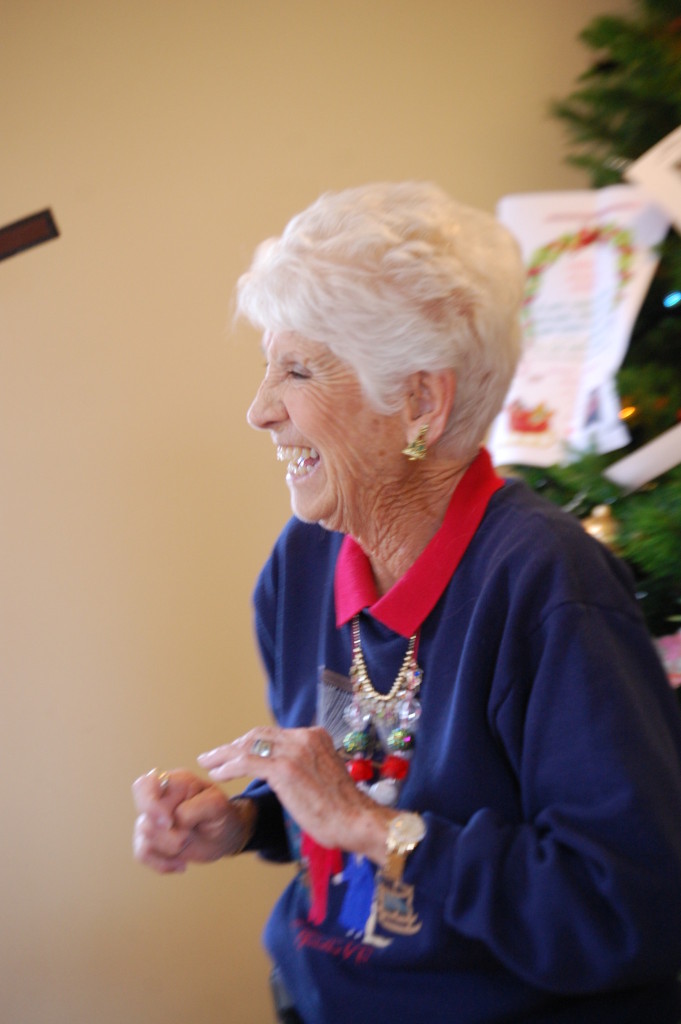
x: 476, y: 757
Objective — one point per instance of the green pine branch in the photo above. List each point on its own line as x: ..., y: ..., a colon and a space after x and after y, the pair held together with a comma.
x: 630, y: 97
x: 623, y: 104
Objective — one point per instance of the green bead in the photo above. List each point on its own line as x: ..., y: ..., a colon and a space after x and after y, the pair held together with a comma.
x: 400, y: 739
x: 356, y: 742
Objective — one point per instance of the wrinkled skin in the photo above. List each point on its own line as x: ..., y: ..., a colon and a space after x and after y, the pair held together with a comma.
x: 192, y: 821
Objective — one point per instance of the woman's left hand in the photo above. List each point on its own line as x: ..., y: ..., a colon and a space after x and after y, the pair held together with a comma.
x: 311, y: 782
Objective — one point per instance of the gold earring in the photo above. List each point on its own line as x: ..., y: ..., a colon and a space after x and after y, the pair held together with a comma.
x: 416, y: 450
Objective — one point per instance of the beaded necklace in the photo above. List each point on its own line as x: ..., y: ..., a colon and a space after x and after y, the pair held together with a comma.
x: 382, y: 725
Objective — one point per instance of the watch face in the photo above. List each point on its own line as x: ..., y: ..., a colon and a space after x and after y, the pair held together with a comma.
x: 406, y: 831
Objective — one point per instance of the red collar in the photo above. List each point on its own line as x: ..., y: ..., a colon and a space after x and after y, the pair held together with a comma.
x: 408, y: 603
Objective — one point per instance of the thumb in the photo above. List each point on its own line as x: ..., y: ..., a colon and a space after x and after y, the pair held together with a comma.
x: 206, y: 811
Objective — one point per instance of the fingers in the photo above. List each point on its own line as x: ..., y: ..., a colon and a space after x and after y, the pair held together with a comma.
x: 160, y: 839
x: 244, y: 756
x: 256, y: 753
x: 186, y: 820
x: 153, y: 794
x: 160, y: 848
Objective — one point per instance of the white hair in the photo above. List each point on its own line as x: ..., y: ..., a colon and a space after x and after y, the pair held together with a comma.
x: 395, y: 279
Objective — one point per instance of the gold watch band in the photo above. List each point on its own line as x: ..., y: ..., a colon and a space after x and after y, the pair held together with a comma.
x: 405, y: 832
x: 394, y: 865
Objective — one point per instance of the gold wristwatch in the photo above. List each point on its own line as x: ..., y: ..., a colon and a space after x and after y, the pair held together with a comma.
x: 405, y: 832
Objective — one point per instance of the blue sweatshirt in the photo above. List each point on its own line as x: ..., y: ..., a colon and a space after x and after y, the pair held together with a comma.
x: 547, y: 768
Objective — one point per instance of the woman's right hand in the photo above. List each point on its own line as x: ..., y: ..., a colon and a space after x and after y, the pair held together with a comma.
x: 185, y: 819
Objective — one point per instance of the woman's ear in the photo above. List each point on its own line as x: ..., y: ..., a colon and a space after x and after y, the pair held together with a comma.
x: 430, y: 400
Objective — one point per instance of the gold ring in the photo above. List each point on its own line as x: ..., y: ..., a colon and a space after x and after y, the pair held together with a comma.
x: 163, y: 782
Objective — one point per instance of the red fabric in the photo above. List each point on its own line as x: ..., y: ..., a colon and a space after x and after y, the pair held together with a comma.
x: 322, y: 864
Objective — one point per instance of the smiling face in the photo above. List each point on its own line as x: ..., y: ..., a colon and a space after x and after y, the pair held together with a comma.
x: 343, y: 458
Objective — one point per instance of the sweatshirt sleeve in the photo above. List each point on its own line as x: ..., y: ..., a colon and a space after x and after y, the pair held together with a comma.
x: 584, y: 892
x: 282, y: 594
x: 269, y: 839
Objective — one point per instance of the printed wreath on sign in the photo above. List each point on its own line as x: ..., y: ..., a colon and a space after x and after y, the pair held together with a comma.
x: 547, y: 255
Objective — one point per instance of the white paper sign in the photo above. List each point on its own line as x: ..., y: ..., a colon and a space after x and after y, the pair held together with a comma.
x: 659, y: 171
x: 589, y: 258
x: 648, y: 462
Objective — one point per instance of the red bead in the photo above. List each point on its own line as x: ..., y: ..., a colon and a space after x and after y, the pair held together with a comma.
x: 395, y: 767
x: 361, y: 769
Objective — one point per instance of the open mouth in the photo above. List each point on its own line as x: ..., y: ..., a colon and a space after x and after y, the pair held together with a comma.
x: 300, y: 460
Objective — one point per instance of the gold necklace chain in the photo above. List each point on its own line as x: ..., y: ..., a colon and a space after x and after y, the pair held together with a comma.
x: 407, y: 679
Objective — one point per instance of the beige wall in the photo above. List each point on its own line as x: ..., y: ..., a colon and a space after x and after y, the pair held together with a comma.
x: 136, y: 506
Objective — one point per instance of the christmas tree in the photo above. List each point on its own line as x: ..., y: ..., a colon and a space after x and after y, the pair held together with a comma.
x: 627, y: 101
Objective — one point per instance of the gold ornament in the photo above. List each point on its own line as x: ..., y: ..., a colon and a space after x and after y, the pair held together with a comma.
x: 602, y: 525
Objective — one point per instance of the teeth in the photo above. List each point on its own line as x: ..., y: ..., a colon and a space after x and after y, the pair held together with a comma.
x: 297, y: 459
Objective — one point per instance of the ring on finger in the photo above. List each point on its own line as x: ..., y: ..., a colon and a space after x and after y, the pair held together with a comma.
x: 163, y: 782
x: 262, y: 748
